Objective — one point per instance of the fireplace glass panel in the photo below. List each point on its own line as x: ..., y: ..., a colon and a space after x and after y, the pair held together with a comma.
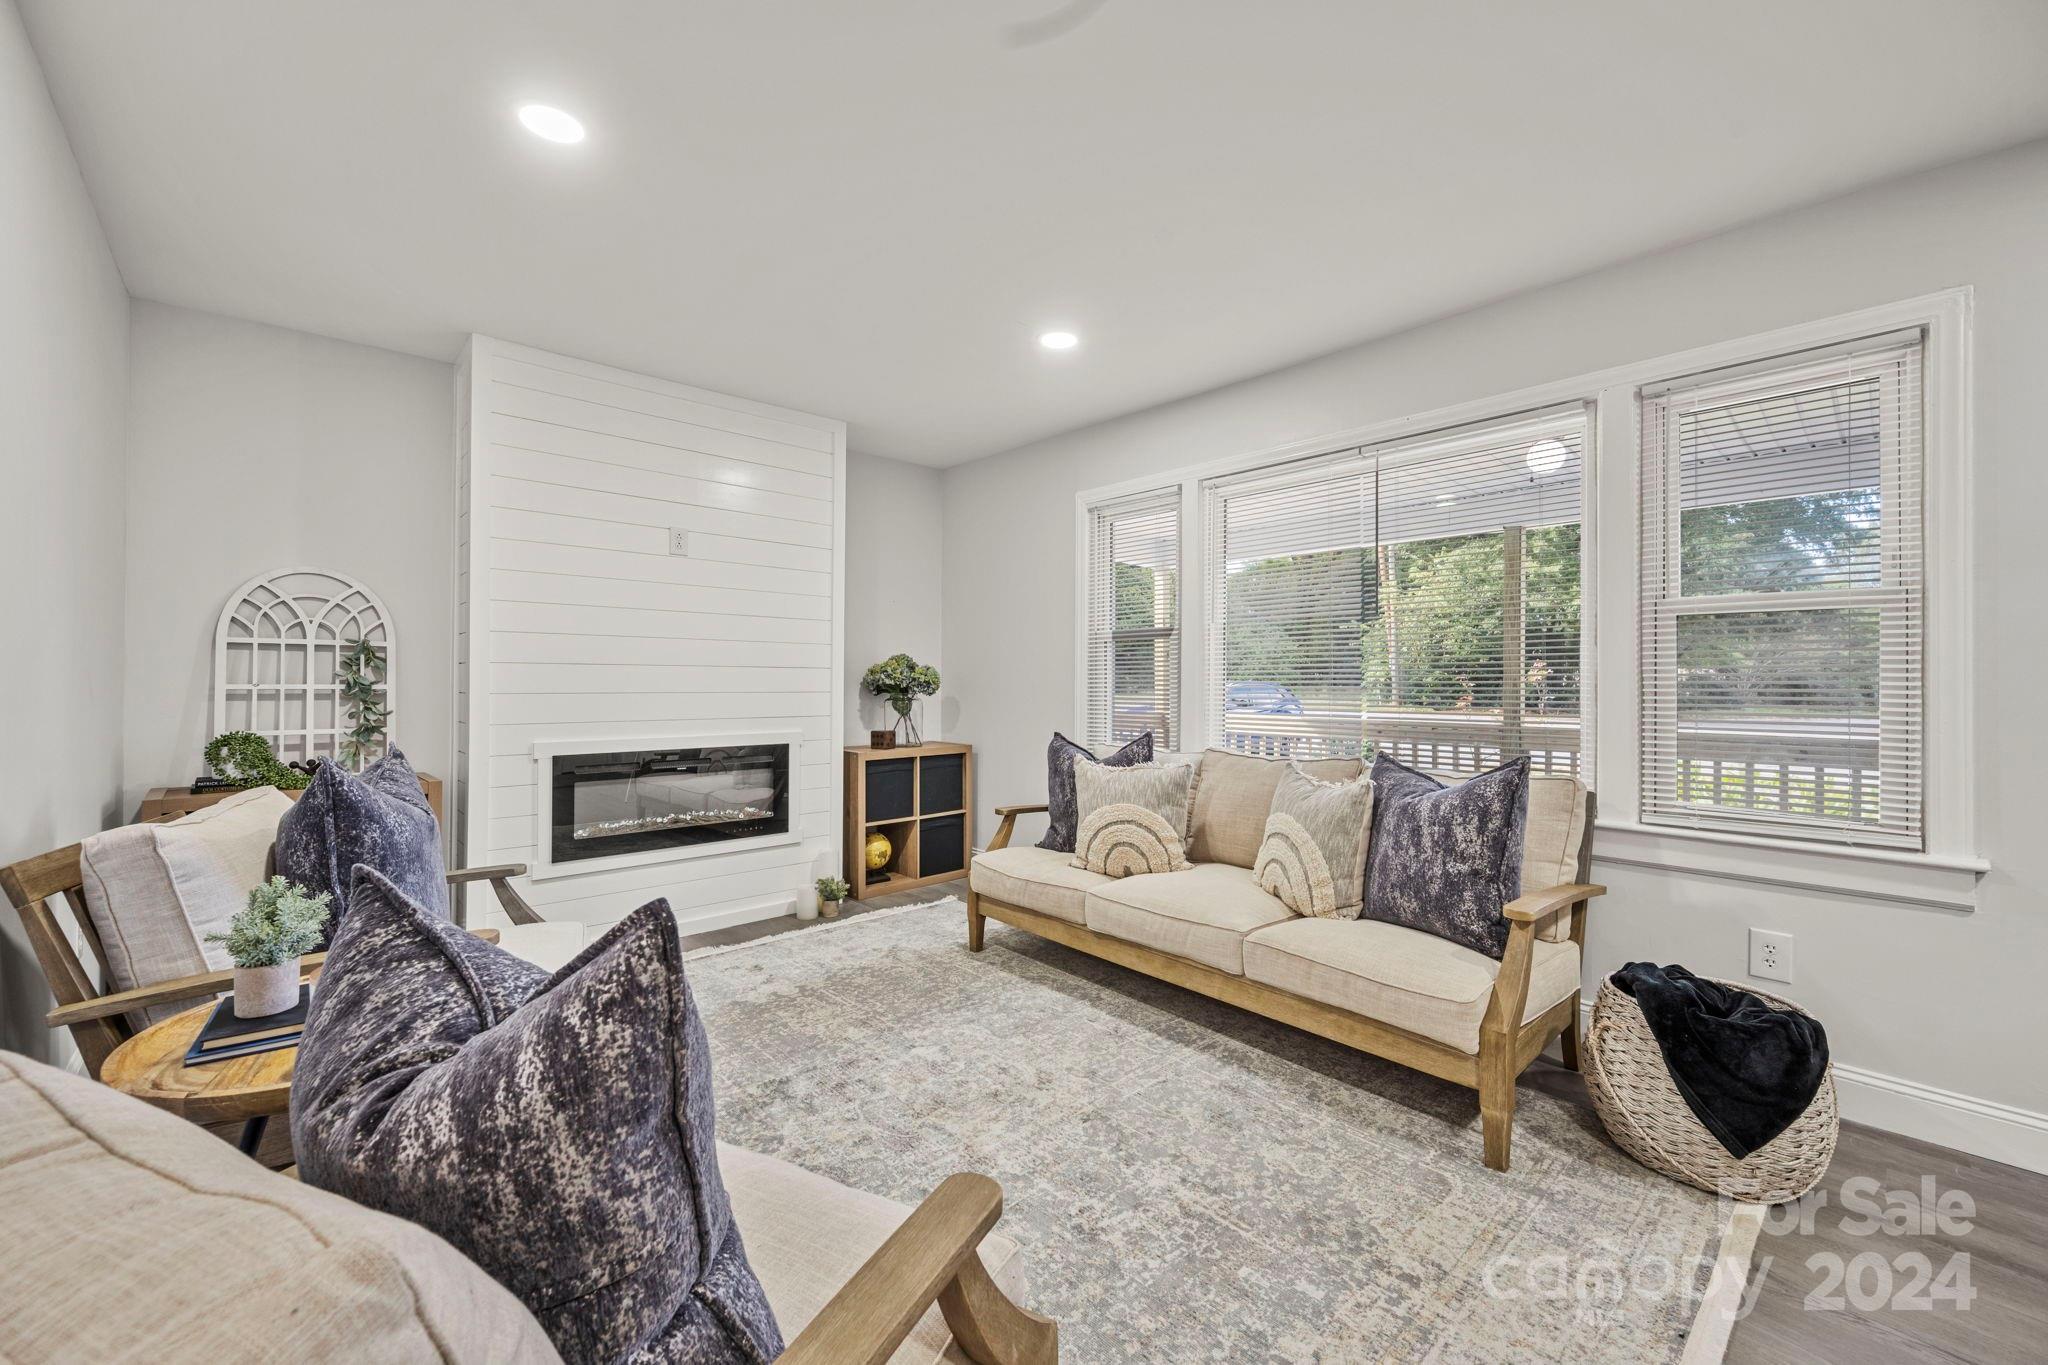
x: 642, y: 800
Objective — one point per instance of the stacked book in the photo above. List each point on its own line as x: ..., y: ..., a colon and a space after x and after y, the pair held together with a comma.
x: 226, y: 1036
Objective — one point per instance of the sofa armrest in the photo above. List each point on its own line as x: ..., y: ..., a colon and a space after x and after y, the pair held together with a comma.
x: 1010, y: 814
x: 1538, y: 906
x: 932, y: 1258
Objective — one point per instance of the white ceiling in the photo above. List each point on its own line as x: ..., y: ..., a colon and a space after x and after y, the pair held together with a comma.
x: 870, y: 209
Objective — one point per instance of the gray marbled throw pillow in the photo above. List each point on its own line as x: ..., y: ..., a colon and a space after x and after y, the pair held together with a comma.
x: 557, y: 1130
x: 1446, y: 859
x: 380, y: 818
x: 1063, y: 819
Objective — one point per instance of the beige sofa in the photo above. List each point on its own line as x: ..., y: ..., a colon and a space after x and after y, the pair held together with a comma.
x: 132, y: 1235
x: 1398, y: 993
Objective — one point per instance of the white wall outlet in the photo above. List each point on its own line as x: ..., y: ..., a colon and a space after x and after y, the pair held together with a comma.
x: 1770, y: 955
x: 678, y: 541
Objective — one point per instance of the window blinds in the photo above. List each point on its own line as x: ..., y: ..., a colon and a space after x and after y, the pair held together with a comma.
x: 1419, y: 599
x: 1781, y: 598
x: 1133, y: 642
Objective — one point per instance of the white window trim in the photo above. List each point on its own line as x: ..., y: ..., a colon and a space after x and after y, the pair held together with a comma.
x: 1950, y: 866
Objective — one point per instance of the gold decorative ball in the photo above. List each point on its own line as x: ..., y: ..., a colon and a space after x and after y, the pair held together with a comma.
x: 878, y: 850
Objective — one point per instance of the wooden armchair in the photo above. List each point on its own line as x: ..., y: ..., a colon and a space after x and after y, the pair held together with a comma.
x: 98, y: 1019
x: 932, y: 1257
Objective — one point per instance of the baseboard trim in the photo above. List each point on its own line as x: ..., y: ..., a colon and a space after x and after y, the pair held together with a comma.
x: 1981, y: 1128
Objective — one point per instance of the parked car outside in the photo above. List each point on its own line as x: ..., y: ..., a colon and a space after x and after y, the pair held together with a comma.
x: 1261, y: 699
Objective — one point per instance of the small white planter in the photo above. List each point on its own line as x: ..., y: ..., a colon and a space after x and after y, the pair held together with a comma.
x: 261, y: 991
x: 806, y: 909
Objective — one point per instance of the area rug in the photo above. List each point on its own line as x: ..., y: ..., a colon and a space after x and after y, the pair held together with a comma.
x: 1189, y: 1181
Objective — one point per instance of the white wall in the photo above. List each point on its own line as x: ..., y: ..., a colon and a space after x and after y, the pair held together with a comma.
x: 1945, y: 1000
x: 895, y: 531
x: 579, y: 623
x: 253, y: 448
x: 63, y: 394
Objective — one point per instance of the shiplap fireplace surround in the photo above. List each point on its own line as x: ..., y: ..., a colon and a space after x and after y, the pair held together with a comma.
x: 639, y: 565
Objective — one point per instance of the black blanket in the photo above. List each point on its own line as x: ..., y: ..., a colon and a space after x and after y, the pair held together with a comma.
x: 1745, y: 1068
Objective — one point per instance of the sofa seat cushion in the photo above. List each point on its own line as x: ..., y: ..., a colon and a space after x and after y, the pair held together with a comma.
x: 1040, y: 879
x: 1202, y: 914
x: 135, y: 1235
x: 1404, y: 977
x: 806, y: 1235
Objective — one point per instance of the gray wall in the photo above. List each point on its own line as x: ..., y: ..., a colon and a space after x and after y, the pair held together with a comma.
x: 895, y: 526
x: 253, y: 448
x: 63, y: 391
x: 1941, y: 999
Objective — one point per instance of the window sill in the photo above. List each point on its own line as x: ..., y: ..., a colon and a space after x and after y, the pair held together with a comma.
x: 1924, y: 879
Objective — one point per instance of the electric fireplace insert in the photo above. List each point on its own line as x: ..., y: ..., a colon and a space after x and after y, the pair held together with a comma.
x: 649, y: 801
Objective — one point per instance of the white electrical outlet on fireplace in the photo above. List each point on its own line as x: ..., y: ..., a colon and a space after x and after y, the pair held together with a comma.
x: 678, y: 541
x: 1770, y: 955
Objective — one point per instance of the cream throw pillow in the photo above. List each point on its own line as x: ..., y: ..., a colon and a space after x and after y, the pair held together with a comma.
x: 1132, y: 820
x: 1313, y: 856
x: 155, y: 891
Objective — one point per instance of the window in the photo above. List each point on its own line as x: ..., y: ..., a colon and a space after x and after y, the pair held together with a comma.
x: 1419, y: 599
x: 1133, y: 647
x: 1781, y: 597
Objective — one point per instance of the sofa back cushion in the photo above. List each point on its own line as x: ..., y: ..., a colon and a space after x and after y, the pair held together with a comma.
x: 1233, y: 796
x: 154, y: 892
x: 133, y: 1234
x: 558, y: 1130
x: 1555, y: 839
x: 380, y: 819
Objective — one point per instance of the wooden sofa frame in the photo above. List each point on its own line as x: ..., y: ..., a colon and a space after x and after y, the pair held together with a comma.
x: 1505, y: 1048
x: 931, y: 1258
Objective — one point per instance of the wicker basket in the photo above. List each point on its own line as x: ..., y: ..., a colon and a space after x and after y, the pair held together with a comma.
x: 1644, y: 1113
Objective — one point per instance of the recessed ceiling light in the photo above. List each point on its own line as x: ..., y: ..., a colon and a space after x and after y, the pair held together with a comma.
x: 1546, y: 457
x: 1058, y: 341
x: 544, y: 120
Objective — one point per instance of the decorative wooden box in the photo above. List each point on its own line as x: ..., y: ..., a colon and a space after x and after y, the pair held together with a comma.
x: 922, y: 799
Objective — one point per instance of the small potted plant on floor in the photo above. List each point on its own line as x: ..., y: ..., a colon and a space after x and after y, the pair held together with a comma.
x: 265, y: 941
x: 831, y: 894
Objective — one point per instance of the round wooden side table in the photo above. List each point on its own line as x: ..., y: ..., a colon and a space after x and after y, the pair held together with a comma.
x: 151, y: 1066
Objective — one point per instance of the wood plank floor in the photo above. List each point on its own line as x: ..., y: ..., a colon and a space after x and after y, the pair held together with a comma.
x: 2006, y: 1245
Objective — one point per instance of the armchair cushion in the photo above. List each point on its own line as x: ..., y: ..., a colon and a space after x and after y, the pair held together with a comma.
x: 155, y: 891
x: 806, y: 1235
x: 380, y: 819
x: 557, y: 1130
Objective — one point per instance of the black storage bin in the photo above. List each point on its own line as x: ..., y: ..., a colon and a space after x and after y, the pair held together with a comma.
x: 890, y: 783
x: 939, y: 786
x: 941, y: 845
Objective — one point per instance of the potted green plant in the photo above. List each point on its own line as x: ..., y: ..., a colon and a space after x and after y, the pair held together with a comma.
x: 902, y: 680
x: 831, y: 894
x: 265, y: 940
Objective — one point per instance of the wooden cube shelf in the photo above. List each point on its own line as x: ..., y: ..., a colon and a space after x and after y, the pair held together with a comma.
x: 922, y: 798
